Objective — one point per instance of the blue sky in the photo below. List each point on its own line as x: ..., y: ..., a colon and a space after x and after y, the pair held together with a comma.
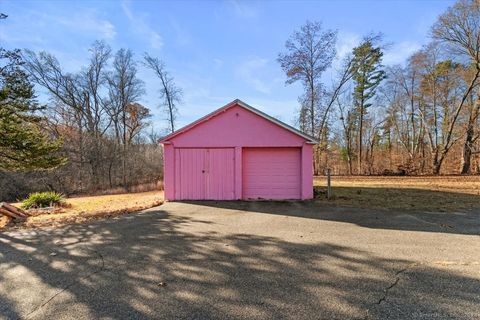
x: 216, y: 50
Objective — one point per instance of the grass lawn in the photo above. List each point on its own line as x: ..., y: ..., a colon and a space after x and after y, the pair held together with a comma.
x: 426, y: 193
x: 92, y: 207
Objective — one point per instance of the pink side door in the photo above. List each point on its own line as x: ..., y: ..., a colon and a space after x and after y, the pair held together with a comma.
x: 189, y: 176
x: 220, y: 174
x: 204, y: 174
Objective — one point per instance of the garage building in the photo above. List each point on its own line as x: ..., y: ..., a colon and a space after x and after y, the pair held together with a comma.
x: 238, y: 152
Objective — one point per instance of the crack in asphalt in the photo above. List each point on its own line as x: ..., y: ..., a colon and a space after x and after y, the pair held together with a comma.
x: 384, y: 297
x: 70, y: 285
x: 391, y: 286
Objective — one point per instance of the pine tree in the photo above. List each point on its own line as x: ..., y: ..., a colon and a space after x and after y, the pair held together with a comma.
x: 367, y: 73
x: 23, y: 145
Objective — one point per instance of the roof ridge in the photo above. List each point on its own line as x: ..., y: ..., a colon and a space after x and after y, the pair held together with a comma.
x: 245, y: 106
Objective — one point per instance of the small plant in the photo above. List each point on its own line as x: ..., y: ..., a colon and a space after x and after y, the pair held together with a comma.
x: 43, y: 199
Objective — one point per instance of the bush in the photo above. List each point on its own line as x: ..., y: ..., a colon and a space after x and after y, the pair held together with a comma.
x: 43, y: 199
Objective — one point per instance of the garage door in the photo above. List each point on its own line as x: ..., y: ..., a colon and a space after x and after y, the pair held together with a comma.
x: 271, y: 173
x: 204, y: 174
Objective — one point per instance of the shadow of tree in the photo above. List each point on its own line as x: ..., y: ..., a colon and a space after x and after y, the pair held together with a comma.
x: 454, y: 222
x: 160, y: 265
x: 411, y: 199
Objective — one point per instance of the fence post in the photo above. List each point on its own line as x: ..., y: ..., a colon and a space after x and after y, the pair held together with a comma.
x: 329, y: 187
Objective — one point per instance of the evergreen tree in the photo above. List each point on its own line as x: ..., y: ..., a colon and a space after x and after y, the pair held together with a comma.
x: 367, y: 72
x: 23, y: 145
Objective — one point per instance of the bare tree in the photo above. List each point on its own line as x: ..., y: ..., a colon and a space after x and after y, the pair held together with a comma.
x: 170, y: 94
x: 440, y: 102
x: 124, y: 89
x: 402, y: 94
x: 81, y: 93
x: 97, y: 114
x: 347, y: 118
x: 136, y: 120
x: 309, y: 52
x: 459, y: 29
x: 343, y: 76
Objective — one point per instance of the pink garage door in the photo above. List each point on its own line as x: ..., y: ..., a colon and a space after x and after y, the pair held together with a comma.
x: 271, y: 173
x: 204, y: 174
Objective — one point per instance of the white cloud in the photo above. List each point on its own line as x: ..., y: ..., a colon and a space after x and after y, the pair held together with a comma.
x: 399, y: 53
x: 249, y: 71
x: 345, y: 43
x: 243, y: 10
x: 156, y: 41
x: 218, y: 63
x: 89, y: 22
x: 139, y: 26
x: 40, y: 28
x: 182, y: 36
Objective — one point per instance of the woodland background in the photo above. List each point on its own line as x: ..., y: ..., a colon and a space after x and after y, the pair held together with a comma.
x: 91, y: 135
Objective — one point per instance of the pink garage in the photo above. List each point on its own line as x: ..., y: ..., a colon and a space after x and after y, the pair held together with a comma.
x: 238, y: 152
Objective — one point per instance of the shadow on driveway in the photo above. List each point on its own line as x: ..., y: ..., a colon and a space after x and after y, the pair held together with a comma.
x: 466, y: 222
x: 161, y: 265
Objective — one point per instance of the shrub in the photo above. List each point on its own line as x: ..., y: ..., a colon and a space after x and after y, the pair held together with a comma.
x: 43, y: 199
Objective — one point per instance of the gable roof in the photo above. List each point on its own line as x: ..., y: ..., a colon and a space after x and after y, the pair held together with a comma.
x: 242, y: 104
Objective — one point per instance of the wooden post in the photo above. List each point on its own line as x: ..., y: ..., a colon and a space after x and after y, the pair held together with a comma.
x: 12, y: 212
x: 329, y: 187
x: 13, y: 209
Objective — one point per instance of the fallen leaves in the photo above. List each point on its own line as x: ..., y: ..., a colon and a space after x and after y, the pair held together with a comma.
x: 82, y: 209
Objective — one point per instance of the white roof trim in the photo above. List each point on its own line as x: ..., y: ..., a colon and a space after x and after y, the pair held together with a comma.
x: 239, y: 102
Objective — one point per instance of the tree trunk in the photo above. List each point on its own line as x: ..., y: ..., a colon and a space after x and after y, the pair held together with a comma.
x: 316, y: 160
x: 467, y: 150
x: 312, y: 120
x: 349, y: 156
x: 349, y: 152
x: 436, y: 164
x: 360, y: 136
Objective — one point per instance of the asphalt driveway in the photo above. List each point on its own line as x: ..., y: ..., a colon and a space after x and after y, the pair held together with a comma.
x: 245, y: 260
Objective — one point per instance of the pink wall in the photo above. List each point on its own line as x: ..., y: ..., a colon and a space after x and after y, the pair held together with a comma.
x: 237, y: 128
x: 169, y: 172
x: 307, y: 171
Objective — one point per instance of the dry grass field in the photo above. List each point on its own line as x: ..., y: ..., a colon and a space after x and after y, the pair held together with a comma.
x: 426, y: 193
x: 80, y: 209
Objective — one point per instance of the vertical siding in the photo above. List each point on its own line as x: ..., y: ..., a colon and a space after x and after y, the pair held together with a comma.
x: 205, y: 174
x: 168, y: 172
x: 190, y: 178
x: 272, y: 173
x: 238, y: 173
x: 307, y: 171
x: 220, y: 174
x: 176, y: 166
